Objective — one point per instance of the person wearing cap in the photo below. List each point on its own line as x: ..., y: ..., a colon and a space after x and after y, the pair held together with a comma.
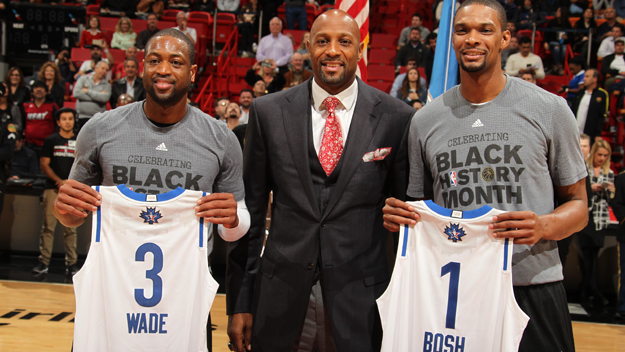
x: 57, y: 157
x: 92, y: 93
x: 39, y: 117
x: 88, y: 66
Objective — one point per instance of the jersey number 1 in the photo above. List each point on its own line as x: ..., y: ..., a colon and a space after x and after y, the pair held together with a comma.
x: 152, y: 274
x: 453, y: 269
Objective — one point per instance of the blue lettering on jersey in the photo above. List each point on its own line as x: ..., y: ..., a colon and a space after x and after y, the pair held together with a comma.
x: 151, y: 324
x: 442, y: 343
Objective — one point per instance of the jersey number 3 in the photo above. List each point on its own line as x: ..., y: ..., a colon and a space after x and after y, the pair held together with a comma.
x: 453, y: 269
x: 152, y: 274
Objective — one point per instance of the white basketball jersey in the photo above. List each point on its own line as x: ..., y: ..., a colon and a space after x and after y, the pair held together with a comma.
x: 145, y: 285
x: 451, y: 288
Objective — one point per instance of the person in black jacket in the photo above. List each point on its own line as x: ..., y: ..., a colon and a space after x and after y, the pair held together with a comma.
x: 556, y: 42
x: 414, y: 48
x: 613, y: 65
x: 130, y: 80
x: 7, y: 148
x: 618, y: 206
x: 591, y: 105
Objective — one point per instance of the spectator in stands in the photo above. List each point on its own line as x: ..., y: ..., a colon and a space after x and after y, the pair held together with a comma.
x: 304, y: 51
x: 8, y: 136
x: 592, y: 238
x: 438, y: 9
x: 131, y: 84
x: 57, y: 157
x: 525, y: 61
x: 550, y: 7
x: 204, y: 6
x: 51, y: 74
x: 607, y: 45
x: 414, y: 48
x: 66, y: 66
x: 606, y: 28
x: 586, y: 22
x: 17, y: 89
x: 275, y: 46
x: 233, y: 114
x: 591, y: 106
x: 618, y: 206
x: 92, y: 93
x: 399, y: 80
x: 513, y: 48
x: 146, y: 34
x: 417, y: 104
x: 8, y: 110
x: 91, y: 33
x: 124, y: 36
x: 125, y: 99
x: 118, y: 69
x: 245, y: 102
x: 260, y: 88
x: 123, y: 7
x: 527, y: 15
x: 512, y: 12
x: 578, y: 6
x: 416, y: 22
x: 529, y: 77
x: 228, y: 5
x: 511, y: 27
x: 576, y: 84
x: 429, y: 55
x: 297, y: 74
x: 266, y: 71
x: 156, y: 7
x: 88, y: 66
x: 39, y: 117
x: 613, y: 66
x: 247, y: 25
x: 411, y: 88
x: 24, y: 162
x: 220, y: 108
x: 295, y: 11
x: 181, y: 20
x: 556, y: 42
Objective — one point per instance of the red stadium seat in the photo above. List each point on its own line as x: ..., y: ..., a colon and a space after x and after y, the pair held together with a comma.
x: 225, y: 26
x: 381, y: 56
x: 384, y: 41
x: 93, y: 10
x: 381, y: 72
x: 108, y: 23
x: 170, y: 14
x: 381, y: 85
x: 297, y: 35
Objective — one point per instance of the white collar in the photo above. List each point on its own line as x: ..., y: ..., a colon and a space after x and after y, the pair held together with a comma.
x: 582, y: 72
x: 347, y: 97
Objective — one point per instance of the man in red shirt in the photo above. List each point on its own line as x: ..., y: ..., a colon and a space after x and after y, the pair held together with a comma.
x: 39, y: 117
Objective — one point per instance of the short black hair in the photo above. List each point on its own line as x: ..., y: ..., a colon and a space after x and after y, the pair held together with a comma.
x: 133, y: 60
x: 576, y: 60
x: 431, y: 36
x: 415, y: 29
x: 525, y: 40
x: 493, y: 4
x: 176, y: 33
x: 413, y: 58
x: 57, y: 115
x: 417, y: 15
x: 246, y: 90
x: 40, y: 83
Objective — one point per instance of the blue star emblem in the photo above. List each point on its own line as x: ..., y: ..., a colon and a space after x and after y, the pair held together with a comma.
x: 454, y: 232
x: 150, y: 216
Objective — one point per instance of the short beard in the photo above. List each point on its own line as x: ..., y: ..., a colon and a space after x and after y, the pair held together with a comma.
x: 472, y: 68
x: 172, y: 99
x: 332, y: 80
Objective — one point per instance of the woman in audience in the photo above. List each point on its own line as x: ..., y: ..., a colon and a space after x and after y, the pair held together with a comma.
x: 302, y: 50
x: 592, y: 238
x: 266, y: 71
x: 124, y: 36
x: 7, y: 108
x: 411, y: 88
x: 260, y: 88
x: 17, y: 89
x: 586, y: 22
x: 233, y: 113
x: 51, y: 74
x: 556, y: 42
x: 91, y: 33
x: 247, y: 25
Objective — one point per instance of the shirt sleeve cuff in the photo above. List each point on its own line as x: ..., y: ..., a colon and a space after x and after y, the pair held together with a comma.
x: 233, y: 234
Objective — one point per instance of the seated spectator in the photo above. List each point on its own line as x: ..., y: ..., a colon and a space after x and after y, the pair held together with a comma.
x: 417, y: 104
x: 607, y: 45
x: 529, y: 77
x: 414, y: 48
x: 146, y: 34
x: 260, y: 88
x: 92, y: 93
x: 124, y: 36
x: 220, y: 108
x: 130, y: 84
x: 39, y: 117
x: 512, y: 12
x: 513, y: 48
x: 527, y: 16
x: 525, y: 61
x: 605, y: 29
x: 155, y: 7
x: 245, y: 102
x: 613, y: 66
x: 576, y: 84
x: 266, y: 71
x: 411, y: 88
x: 66, y: 66
x: 556, y: 42
x: 275, y: 46
x: 591, y: 106
x: 511, y: 27
x: 92, y: 33
x: 9, y: 112
x: 228, y: 5
x: 24, y: 162
x: 399, y: 80
x: 304, y: 51
x: 123, y: 7
x: 404, y: 37
x: 297, y: 74
x: 295, y: 11
x: 233, y: 114
x: 88, y: 66
x: 586, y: 22
x: 204, y: 6
x: 181, y: 20
x: 550, y: 7
x: 125, y: 99
x: 429, y: 56
x: 118, y: 68
x: 17, y: 89
x: 51, y: 74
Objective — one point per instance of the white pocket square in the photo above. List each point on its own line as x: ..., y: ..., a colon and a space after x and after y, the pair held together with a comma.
x: 378, y: 154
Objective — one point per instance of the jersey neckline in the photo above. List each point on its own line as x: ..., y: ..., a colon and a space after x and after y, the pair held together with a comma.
x: 468, y: 214
x: 142, y: 197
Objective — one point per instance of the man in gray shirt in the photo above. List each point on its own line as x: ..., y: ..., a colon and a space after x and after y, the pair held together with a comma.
x: 92, y: 92
x: 404, y: 37
x: 481, y: 144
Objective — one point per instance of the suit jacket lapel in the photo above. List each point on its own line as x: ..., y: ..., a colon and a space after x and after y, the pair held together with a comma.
x: 361, y: 130
x: 297, y: 128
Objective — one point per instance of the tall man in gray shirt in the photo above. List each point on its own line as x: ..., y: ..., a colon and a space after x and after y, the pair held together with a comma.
x: 479, y: 144
x: 92, y: 92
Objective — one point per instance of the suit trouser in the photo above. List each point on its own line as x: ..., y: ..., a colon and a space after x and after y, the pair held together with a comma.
x: 316, y: 334
x: 47, y: 232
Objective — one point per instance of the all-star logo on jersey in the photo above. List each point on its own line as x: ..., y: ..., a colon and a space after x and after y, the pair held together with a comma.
x: 454, y: 232
x: 162, y: 147
x: 150, y: 216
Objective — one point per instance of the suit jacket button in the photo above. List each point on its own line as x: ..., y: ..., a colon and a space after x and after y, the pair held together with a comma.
x: 311, y: 266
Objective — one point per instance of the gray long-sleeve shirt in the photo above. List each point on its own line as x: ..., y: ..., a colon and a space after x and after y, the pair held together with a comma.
x: 94, y: 100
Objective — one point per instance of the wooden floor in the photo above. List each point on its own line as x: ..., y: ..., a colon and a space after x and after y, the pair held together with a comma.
x: 38, y: 317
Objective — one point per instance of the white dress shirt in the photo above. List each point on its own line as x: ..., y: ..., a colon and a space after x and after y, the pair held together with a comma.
x: 130, y: 89
x: 607, y: 46
x: 582, y: 111
x: 618, y: 64
x: 245, y: 116
x: 344, y: 111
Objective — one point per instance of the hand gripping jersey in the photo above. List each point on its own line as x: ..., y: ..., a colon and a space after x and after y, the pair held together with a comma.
x: 145, y: 285
x: 451, y: 288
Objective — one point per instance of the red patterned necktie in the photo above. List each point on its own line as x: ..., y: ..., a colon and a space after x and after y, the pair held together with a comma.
x: 332, y: 143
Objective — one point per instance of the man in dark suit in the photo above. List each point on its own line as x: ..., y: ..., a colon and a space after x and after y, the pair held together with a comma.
x: 330, y: 149
x: 591, y: 106
x: 122, y: 85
